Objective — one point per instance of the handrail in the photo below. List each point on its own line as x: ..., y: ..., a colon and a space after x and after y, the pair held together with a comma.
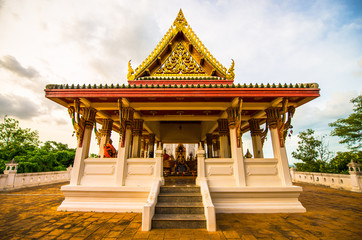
x: 208, y: 206
x: 148, y: 209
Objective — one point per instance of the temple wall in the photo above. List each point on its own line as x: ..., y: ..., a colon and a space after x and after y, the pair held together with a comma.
x: 99, y: 172
x: 339, y: 181
x: 220, y: 172
x: 140, y: 172
x: 262, y: 172
x: 23, y: 180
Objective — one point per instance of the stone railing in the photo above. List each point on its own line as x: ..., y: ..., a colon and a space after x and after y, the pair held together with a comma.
x: 12, y: 180
x: 350, y: 182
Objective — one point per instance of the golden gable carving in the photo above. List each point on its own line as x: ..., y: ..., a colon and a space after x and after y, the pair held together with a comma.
x: 180, y: 62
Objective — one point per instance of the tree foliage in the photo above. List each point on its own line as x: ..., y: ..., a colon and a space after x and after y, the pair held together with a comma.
x: 24, y: 146
x: 350, y: 128
x: 312, y: 151
x: 338, y: 164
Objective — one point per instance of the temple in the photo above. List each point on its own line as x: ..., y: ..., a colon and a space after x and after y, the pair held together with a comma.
x: 181, y: 94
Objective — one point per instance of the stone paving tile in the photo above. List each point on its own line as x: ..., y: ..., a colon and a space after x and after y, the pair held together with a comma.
x: 31, y: 214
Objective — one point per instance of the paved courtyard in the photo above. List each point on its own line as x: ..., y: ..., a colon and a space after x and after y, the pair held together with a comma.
x: 31, y: 214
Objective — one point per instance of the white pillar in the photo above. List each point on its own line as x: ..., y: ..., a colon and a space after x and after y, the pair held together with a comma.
x: 280, y: 154
x: 83, y: 146
x: 237, y: 155
x: 201, y: 173
x: 123, y: 152
x: 124, y: 144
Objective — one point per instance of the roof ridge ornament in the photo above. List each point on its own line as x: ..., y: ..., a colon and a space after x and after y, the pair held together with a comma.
x: 230, y: 74
x: 180, y: 20
x: 130, y: 75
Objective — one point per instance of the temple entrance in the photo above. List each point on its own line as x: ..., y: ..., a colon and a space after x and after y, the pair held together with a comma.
x: 178, y: 162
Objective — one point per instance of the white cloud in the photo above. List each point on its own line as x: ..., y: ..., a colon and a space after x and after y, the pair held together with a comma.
x: 91, y: 42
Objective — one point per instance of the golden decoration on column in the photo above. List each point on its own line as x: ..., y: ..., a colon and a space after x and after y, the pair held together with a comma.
x: 81, y: 122
x: 277, y: 119
x: 77, y: 121
x: 98, y: 134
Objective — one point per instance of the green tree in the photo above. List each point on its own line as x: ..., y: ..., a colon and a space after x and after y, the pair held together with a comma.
x: 338, y: 164
x: 350, y: 128
x: 24, y: 146
x: 15, y: 140
x: 312, y: 151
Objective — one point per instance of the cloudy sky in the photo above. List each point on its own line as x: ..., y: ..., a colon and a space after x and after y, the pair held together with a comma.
x: 64, y: 41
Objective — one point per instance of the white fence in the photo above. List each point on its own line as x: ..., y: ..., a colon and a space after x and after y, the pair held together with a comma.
x: 13, y: 180
x: 350, y: 182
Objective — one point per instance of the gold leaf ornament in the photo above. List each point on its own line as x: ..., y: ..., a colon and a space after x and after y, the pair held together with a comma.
x: 130, y: 75
x: 230, y: 74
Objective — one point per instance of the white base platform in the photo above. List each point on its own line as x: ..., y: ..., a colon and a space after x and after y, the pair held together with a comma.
x: 104, y: 199
x: 257, y: 199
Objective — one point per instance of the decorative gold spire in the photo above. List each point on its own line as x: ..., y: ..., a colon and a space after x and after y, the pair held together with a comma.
x: 180, y: 20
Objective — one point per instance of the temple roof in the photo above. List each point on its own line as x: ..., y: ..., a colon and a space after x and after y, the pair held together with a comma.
x: 180, y: 54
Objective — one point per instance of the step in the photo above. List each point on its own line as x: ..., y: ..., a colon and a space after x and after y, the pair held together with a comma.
x: 180, y: 181
x: 179, y: 197
x: 179, y: 189
x: 191, y: 221
x: 179, y: 208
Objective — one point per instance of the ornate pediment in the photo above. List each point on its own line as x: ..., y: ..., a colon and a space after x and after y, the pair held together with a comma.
x: 180, y: 53
x: 180, y: 61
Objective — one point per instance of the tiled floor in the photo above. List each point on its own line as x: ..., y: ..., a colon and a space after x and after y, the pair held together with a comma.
x: 31, y: 214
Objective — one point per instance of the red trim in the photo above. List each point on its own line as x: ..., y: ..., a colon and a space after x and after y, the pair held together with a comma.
x: 182, y: 92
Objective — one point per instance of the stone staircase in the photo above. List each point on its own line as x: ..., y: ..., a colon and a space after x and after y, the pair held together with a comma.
x: 179, y: 205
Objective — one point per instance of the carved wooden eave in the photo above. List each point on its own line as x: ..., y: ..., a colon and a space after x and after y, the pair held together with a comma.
x: 182, y: 56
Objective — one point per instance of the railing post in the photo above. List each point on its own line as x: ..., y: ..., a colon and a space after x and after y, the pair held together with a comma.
x: 11, y: 168
x: 354, y: 172
x: 201, y: 175
x: 292, y: 173
x: 159, y: 164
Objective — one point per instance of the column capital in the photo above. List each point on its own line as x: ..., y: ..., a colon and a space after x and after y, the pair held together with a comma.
x: 106, y: 127
x: 232, y: 117
x: 126, y: 116
x: 276, y: 118
x: 209, y: 138
x: 254, y: 125
x: 137, y: 127
x: 89, y: 115
x: 223, y: 127
x: 273, y: 117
